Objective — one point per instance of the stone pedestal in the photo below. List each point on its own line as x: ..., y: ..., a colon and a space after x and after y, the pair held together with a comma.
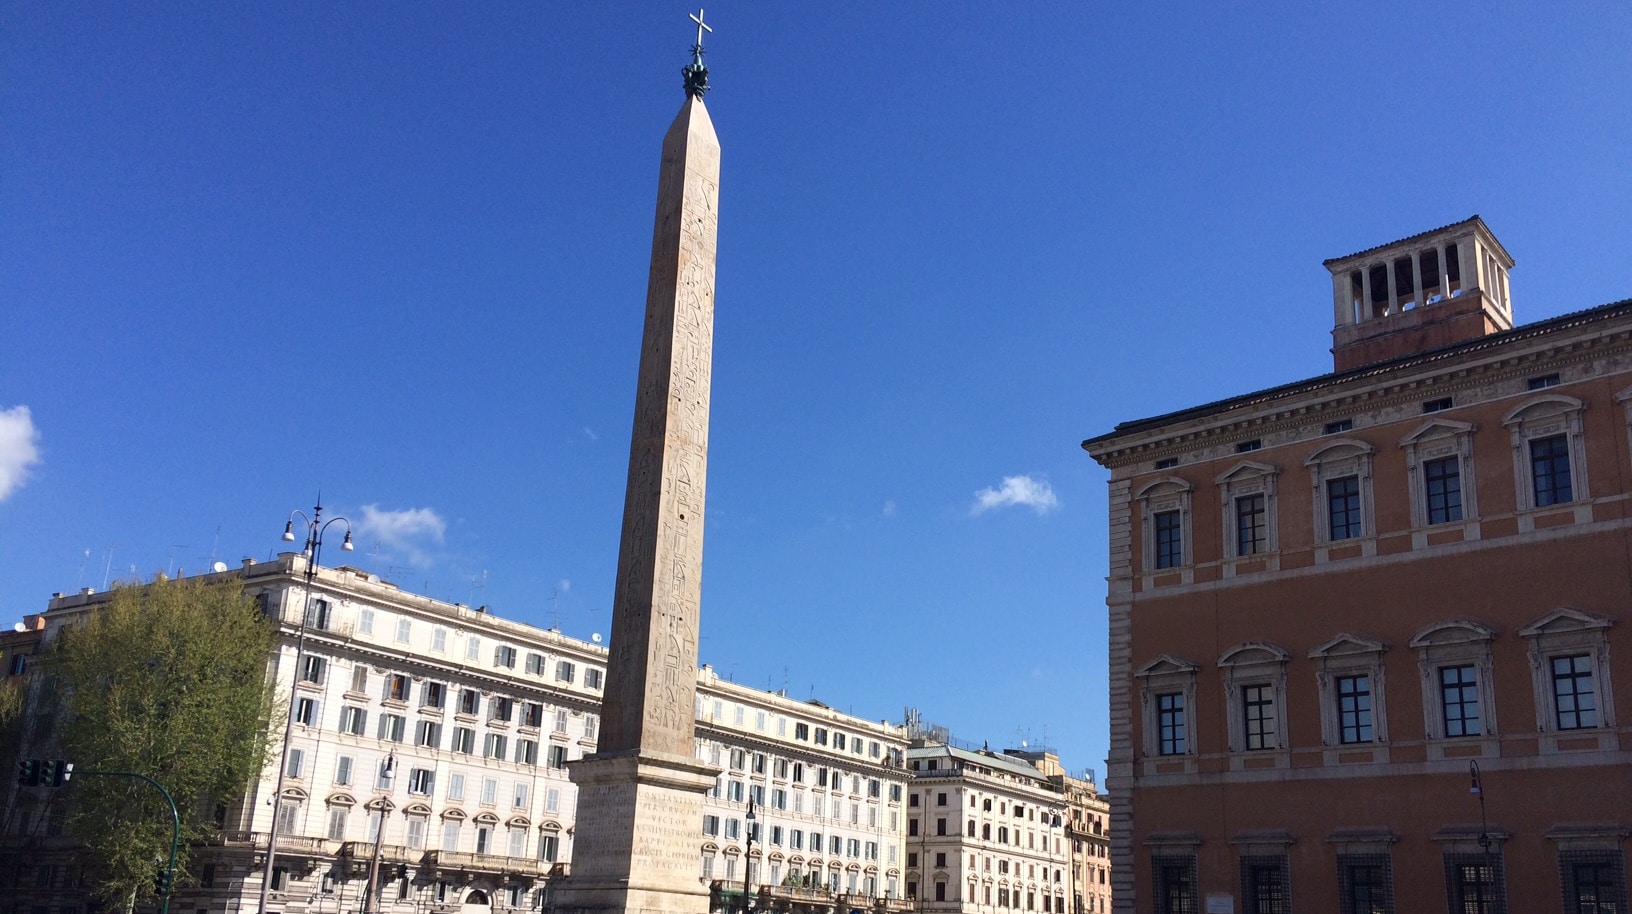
x: 635, y: 841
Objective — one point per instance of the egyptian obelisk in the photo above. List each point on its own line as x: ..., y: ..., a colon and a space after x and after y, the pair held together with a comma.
x: 640, y: 796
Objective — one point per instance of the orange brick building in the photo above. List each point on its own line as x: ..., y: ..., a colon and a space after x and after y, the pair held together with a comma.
x: 1331, y: 600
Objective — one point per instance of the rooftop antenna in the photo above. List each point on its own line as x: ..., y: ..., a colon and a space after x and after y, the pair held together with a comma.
x: 475, y: 586
x: 215, y: 542
x: 107, y: 564
x: 555, y: 610
x: 79, y: 580
x: 170, y: 566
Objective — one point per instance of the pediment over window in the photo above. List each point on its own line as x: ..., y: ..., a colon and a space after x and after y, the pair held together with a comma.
x: 294, y: 794
x: 1341, y: 449
x: 487, y: 818
x: 1246, y: 469
x: 709, y: 847
x: 1457, y: 631
x: 733, y: 852
x: 1437, y: 428
x: 1565, y: 620
x: 1547, y: 405
x: 796, y: 860
x: 381, y: 804
x: 453, y: 812
x: 338, y: 799
x: 776, y: 857
x: 518, y: 822
x: 1254, y: 652
x: 1165, y: 664
x: 549, y: 826
x: 1166, y: 485
x: 1347, y: 645
x: 416, y: 809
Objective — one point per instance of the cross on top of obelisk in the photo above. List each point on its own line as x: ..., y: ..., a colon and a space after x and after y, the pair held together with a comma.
x: 695, y: 74
x: 701, y: 28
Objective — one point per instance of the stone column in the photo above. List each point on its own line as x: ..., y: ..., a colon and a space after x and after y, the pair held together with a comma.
x: 638, y: 828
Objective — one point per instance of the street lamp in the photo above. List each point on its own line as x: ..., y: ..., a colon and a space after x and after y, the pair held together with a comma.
x: 748, y: 856
x: 315, y: 528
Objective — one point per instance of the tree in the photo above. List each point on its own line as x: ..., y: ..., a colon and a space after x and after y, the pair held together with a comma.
x: 169, y: 680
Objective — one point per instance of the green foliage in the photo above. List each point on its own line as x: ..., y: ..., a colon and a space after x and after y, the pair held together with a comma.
x: 167, y: 680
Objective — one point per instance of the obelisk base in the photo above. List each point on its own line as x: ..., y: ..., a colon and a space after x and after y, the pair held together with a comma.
x: 635, y: 845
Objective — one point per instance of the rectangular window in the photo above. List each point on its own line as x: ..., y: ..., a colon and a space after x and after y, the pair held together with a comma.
x: 1459, y: 699
x: 1474, y: 883
x: 1343, y: 507
x: 1594, y: 882
x: 500, y: 708
x: 563, y: 671
x: 421, y: 781
x: 456, y: 787
x: 393, y: 727
x: 1354, y: 709
x: 365, y: 621
x: 1442, y: 483
x: 313, y: 670
x: 434, y: 695
x: 1264, y: 886
x: 1170, y: 724
x: 337, y: 822
x: 1364, y: 885
x: 342, y: 770
x: 547, y: 848
x: 526, y: 752
x: 353, y: 720
x: 439, y: 639
x: 359, y: 679
x: 1173, y: 881
x: 535, y: 664
x: 493, y: 746
x: 396, y: 687
x: 403, y: 629
x: 464, y: 741
x: 473, y: 648
x: 296, y: 758
x: 1258, y: 713
x: 428, y: 733
x: 518, y: 800
x: 552, y: 800
x: 306, y: 712
x: 558, y: 756
x: 1573, y: 695
x: 321, y: 614
x: 469, y: 701
x: 1550, y: 470
x: 1169, y: 542
x: 592, y: 678
x: 560, y: 720
x: 490, y: 791
x: 416, y: 832
x: 505, y: 656
x: 1249, y: 525
x: 532, y: 714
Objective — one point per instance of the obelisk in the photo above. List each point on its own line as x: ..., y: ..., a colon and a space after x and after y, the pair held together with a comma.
x: 640, y: 797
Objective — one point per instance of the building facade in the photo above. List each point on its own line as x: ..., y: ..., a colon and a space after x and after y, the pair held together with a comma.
x: 455, y: 728
x: 1364, y: 628
x: 990, y: 832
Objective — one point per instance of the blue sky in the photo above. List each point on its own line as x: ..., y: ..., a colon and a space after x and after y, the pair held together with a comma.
x: 397, y: 252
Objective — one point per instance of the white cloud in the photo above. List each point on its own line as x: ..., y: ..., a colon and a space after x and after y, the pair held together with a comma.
x: 563, y: 585
x: 19, y: 448
x: 1035, y: 494
x: 889, y: 508
x: 590, y: 434
x: 409, y: 530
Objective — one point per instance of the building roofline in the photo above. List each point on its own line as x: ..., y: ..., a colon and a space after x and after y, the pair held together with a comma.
x: 1473, y: 220
x: 1527, y: 331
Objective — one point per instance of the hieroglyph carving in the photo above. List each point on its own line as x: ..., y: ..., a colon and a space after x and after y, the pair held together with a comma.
x: 651, y: 683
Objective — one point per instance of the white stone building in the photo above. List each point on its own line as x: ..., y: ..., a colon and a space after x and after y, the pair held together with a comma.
x: 990, y: 833
x: 456, y: 727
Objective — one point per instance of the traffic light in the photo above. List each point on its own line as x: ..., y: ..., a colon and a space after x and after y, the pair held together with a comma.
x: 28, y: 773
x: 65, y: 770
x: 161, y: 882
x: 48, y: 772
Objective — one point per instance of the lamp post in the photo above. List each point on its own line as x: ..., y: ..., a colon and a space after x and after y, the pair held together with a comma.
x: 748, y: 856
x: 1477, y: 789
x: 315, y: 528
